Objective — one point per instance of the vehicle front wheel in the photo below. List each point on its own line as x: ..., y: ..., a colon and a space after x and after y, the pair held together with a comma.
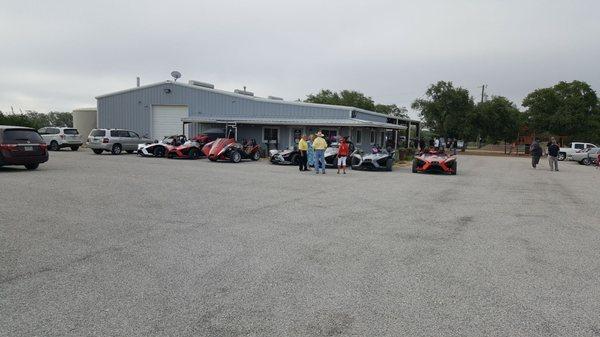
x: 97, y: 151
x: 235, y: 157
x: 116, y: 149
x: 414, y: 166
x: 54, y: 146
x: 159, y: 151
x: 256, y: 156
x: 586, y: 161
x: 561, y: 156
x: 354, y: 162
x: 32, y: 166
x: 74, y: 148
x: 453, y: 167
x: 389, y: 164
x: 194, y: 154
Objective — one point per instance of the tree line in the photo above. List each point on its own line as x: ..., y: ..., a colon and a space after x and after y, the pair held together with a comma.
x: 567, y: 109
x: 36, y: 120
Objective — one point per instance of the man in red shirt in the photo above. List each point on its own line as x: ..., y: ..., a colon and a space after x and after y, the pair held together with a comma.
x: 343, y: 152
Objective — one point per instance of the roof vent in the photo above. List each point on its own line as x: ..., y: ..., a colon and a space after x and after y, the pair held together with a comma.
x: 243, y: 92
x: 275, y: 98
x: 201, y: 84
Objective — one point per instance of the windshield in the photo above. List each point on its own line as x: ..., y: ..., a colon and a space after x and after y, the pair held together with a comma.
x: 97, y: 133
x: 21, y: 135
x: 71, y: 132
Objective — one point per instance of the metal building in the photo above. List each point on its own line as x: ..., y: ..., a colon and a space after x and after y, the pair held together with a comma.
x: 84, y: 120
x: 167, y: 108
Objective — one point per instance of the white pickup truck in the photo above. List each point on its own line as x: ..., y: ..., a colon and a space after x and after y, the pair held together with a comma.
x: 566, y: 152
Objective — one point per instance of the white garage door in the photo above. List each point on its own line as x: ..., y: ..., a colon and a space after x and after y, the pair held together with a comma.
x: 166, y: 120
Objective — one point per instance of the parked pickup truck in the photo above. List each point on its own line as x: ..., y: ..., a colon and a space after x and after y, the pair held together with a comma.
x: 566, y: 152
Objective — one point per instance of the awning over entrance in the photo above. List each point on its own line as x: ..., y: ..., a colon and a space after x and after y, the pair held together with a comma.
x: 352, y: 122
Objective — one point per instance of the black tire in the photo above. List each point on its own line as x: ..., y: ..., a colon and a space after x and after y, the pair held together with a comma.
x: 295, y: 160
x: 32, y: 166
x: 453, y: 167
x: 194, y: 154
x: 116, y: 149
x: 212, y: 158
x: 586, y: 161
x: 129, y: 151
x: 256, y: 156
x: 235, y: 157
x: 561, y: 156
x: 354, y: 163
x: 414, y: 166
x: 389, y: 164
x: 54, y: 146
x: 98, y: 151
x: 159, y: 151
x: 75, y: 148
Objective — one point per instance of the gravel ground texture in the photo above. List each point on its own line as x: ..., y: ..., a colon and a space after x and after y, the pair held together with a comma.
x: 102, y: 245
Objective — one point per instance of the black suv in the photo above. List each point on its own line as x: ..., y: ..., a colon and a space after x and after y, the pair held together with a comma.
x: 22, y: 146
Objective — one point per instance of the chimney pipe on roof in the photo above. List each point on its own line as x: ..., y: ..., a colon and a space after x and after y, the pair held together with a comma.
x: 137, y: 81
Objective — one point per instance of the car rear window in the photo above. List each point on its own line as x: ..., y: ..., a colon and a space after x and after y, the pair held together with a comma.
x: 97, y: 133
x: 20, y: 135
x: 71, y: 132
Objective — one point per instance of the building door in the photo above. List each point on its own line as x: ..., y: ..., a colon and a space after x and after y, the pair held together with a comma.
x: 166, y: 120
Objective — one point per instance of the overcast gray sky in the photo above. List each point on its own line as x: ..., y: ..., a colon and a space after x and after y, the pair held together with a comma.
x: 58, y: 55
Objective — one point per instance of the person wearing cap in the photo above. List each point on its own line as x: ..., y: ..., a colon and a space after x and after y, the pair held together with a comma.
x: 303, y: 148
x: 343, y: 152
x: 319, y: 144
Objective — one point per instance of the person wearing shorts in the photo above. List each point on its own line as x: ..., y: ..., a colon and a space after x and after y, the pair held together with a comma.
x: 342, y: 155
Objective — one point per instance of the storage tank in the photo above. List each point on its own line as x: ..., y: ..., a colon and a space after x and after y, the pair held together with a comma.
x: 84, y: 120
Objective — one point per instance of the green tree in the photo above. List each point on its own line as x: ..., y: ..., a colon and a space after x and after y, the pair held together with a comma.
x: 345, y: 97
x: 496, y: 119
x: 392, y: 109
x: 567, y: 108
x: 37, y: 120
x: 446, y: 109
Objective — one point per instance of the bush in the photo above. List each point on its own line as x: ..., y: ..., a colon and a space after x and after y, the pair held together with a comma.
x: 404, y: 154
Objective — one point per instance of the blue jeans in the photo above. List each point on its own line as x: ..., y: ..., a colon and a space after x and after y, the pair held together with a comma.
x: 319, y: 160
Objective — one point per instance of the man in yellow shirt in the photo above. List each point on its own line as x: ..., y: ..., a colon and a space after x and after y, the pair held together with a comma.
x: 319, y: 144
x: 303, y: 148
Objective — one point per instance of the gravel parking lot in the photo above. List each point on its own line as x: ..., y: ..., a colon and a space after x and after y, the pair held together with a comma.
x: 127, y: 246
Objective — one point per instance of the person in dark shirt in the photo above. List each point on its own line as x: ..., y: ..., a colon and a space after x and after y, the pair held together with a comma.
x: 536, y: 152
x: 553, y: 154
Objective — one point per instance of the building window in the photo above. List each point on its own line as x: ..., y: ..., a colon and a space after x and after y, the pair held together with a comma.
x: 372, y: 137
x: 270, y: 135
x: 358, y: 137
x: 330, y: 135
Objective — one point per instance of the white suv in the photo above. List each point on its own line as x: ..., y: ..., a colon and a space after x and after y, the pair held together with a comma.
x: 57, y: 138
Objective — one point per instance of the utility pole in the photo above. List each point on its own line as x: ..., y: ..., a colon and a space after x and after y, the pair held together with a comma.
x: 479, y: 134
x: 482, y: 92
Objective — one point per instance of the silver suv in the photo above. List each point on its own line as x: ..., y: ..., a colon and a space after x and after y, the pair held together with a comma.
x: 114, y: 140
x: 57, y: 138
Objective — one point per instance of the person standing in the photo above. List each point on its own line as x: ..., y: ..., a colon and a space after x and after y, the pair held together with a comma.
x: 553, y: 154
x: 455, y: 146
x: 436, y: 143
x: 310, y: 153
x: 303, y: 149
x: 342, y: 155
x: 319, y: 144
x: 536, y: 152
